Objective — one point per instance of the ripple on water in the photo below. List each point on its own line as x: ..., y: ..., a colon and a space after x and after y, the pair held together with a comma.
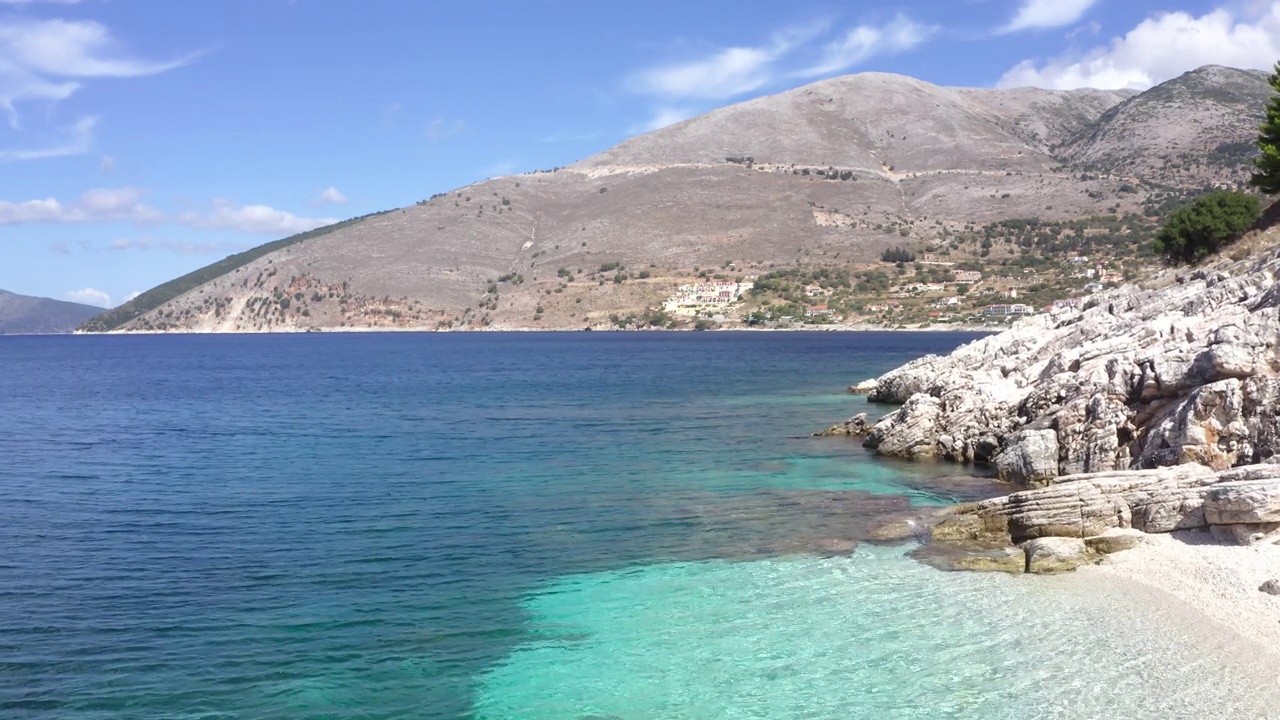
x: 871, y: 636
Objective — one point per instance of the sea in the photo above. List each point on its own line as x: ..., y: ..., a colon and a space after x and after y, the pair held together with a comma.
x: 587, y: 526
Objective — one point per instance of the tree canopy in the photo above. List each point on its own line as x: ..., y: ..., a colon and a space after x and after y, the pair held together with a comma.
x: 1207, y: 224
x: 1266, y: 175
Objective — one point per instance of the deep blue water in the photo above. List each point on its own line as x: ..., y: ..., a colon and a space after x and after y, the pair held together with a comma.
x: 442, y: 526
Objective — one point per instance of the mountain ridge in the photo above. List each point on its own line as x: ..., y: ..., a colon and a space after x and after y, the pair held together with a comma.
x: 29, y: 315
x: 832, y: 173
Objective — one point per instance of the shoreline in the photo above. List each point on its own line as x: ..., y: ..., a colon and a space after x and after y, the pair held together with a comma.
x: 428, y: 330
x: 1210, y: 589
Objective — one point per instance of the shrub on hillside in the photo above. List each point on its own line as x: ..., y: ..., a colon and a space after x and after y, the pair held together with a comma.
x: 1206, y: 225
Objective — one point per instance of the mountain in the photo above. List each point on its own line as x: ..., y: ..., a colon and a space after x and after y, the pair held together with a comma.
x: 827, y: 175
x: 1187, y: 132
x: 23, y: 314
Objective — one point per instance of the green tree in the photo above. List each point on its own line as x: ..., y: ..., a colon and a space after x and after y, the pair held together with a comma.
x: 1266, y: 176
x: 1206, y: 225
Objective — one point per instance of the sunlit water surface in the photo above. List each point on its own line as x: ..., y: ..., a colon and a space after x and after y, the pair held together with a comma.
x: 516, y: 526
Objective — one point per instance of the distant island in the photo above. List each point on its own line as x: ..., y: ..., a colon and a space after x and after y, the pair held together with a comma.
x: 26, y: 315
x: 869, y: 200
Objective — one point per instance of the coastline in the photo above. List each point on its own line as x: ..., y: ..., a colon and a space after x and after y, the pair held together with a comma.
x: 424, y: 329
x: 1211, y: 588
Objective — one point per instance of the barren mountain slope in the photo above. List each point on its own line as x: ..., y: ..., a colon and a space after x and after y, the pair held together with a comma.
x: 1196, y: 129
x: 870, y: 121
x: 828, y: 174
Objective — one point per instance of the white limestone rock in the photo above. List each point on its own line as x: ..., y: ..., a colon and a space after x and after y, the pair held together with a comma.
x: 1185, y: 371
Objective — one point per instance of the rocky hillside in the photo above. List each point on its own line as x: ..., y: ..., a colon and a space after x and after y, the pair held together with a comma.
x: 1181, y: 369
x: 23, y: 314
x: 1156, y: 408
x: 827, y: 175
x: 1184, y: 133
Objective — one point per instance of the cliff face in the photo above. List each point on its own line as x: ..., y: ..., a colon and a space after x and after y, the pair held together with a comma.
x: 1183, y: 370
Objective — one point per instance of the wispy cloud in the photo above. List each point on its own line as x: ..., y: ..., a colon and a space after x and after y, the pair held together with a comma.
x: 49, y: 60
x: 664, y: 117
x: 1044, y: 14
x: 681, y: 88
x: 104, y: 204
x: 867, y: 41
x: 252, y: 219
x: 74, y: 140
x: 726, y: 72
x: 332, y: 196
x: 1162, y: 47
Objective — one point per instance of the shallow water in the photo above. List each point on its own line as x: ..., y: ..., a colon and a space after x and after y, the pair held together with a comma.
x: 528, y: 525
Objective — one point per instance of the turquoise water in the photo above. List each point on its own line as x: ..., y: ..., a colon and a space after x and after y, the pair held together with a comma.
x: 513, y: 526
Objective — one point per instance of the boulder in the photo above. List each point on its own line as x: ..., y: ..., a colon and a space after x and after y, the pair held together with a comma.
x: 1030, y: 459
x: 1250, y: 501
x: 1114, y: 541
x: 1048, y: 555
x: 856, y: 426
x: 1160, y: 500
x: 1270, y: 587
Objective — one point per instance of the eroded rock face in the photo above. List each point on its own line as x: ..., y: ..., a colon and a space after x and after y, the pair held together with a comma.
x: 1080, y: 518
x: 1140, y: 378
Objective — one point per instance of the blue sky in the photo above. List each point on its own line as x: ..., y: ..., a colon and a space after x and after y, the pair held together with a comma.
x: 141, y: 139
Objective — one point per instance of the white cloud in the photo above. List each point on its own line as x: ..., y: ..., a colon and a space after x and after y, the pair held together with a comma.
x: 1042, y: 14
x: 867, y: 41
x: 102, y: 204
x: 48, y: 60
x: 728, y: 72
x: 131, y: 296
x: 1162, y: 47
x: 332, y: 195
x: 252, y: 219
x: 74, y: 48
x: 90, y: 296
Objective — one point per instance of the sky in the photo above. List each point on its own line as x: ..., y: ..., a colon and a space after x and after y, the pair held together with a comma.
x: 142, y: 139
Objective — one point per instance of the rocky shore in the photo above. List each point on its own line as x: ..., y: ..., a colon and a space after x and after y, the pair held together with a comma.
x: 1150, y: 410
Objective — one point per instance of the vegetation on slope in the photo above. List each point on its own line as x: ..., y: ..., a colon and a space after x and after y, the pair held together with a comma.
x: 161, y: 294
x: 1206, y: 225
